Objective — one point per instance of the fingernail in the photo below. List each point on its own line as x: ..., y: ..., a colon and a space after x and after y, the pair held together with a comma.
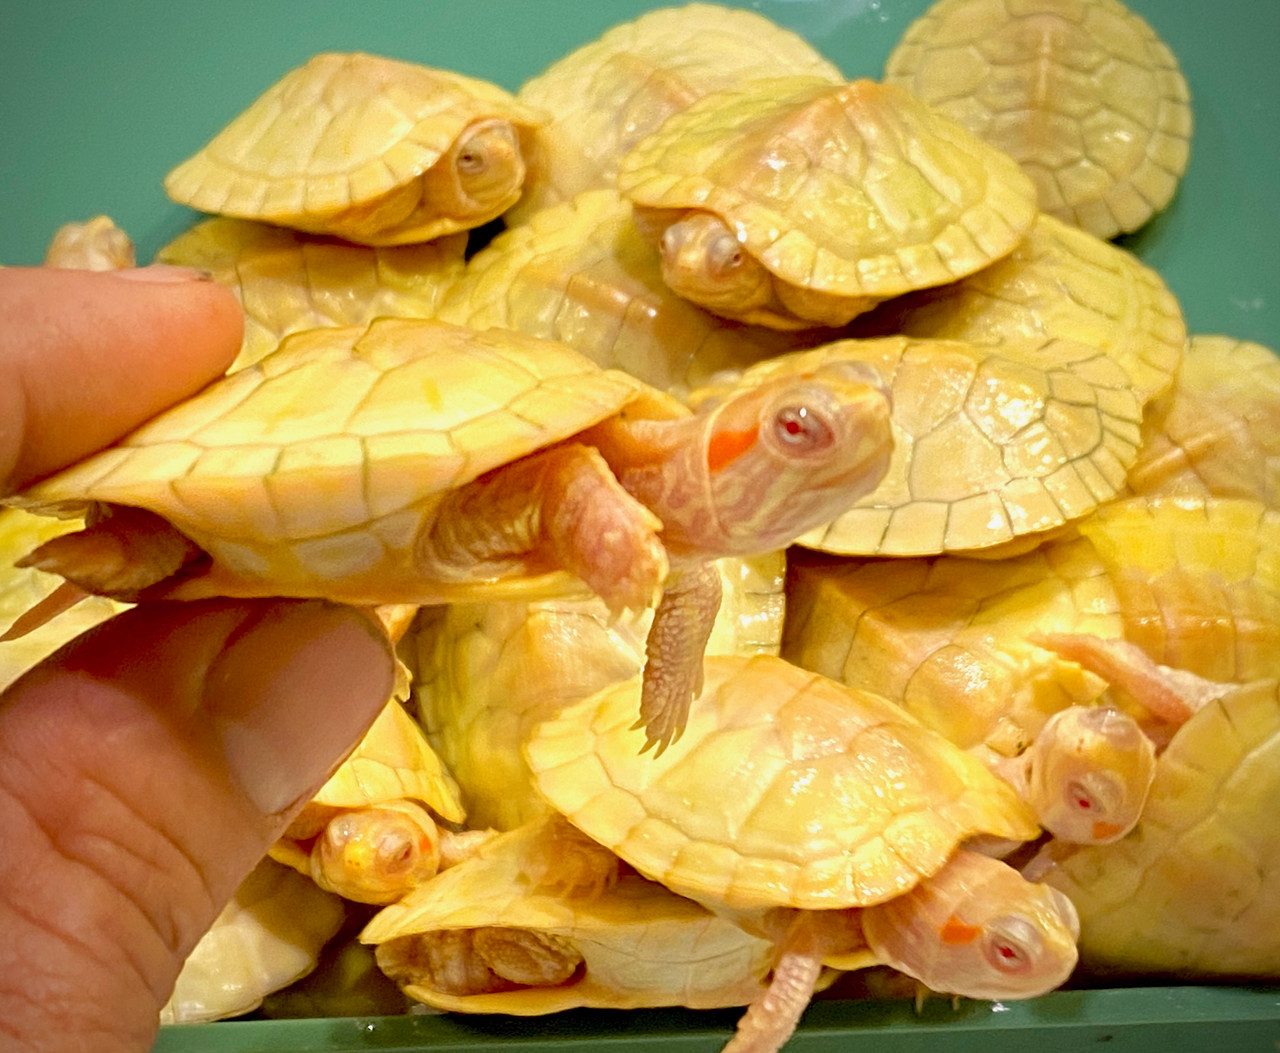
x: 164, y: 273
x: 291, y: 694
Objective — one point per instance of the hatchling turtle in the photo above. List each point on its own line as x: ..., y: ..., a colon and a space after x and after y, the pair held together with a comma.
x: 991, y: 444
x: 486, y: 673
x: 580, y: 272
x: 288, y: 281
x: 1084, y: 95
x: 268, y: 935
x: 846, y: 805
x: 794, y: 202
x: 607, y: 95
x: 366, y: 148
x: 1194, y: 891
x: 418, y: 462
x: 1060, y: 282
x: 375, y: 829
x: 1214, y: 432
x: 489, y: 936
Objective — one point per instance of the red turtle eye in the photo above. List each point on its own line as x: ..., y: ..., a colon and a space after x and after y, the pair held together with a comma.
x: 1080, y: 797
x: 1012, y: 944
x: 800, y: 428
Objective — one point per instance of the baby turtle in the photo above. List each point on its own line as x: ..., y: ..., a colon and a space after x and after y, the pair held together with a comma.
x: 1082, y: 93
x: 374, y: 830
x: 366, y: 148
x: 580, y: 272
x: 1194, y: 891
x: 491, y: 936
x: 419, y: 462
x: 796, y: 202
x: 848, y: 807
x: 288, y: 281
x: 607, y: 95
x: 991, y: 444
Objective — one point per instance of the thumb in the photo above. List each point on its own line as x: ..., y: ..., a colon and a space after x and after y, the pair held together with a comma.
x: 144, y: 769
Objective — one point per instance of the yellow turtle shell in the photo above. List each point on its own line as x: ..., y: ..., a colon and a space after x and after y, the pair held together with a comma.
x: 1194, y: 889
x: 288, y: 281
x: 850, y: 191
x: 1060, y: 282
x: 629, y: 945
x: 1082, y: 93
x: 1216, y: 430
x: 349, y: 144
x: 786, y: 789
x: 607, y: 95
x: 991, y: 444
x: 311, y: 472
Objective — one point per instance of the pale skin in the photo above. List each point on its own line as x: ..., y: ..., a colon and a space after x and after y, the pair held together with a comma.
x: 112, y: 868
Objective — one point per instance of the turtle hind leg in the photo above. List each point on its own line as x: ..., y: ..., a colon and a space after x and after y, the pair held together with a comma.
x: 124, y: 552
x: 674, y: 651
x: 561, y: 508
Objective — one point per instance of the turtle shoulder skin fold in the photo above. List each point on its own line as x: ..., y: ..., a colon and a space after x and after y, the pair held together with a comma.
x: 364, y: 465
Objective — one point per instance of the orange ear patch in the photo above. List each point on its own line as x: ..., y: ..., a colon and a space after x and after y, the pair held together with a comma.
x: 726, y: 447
x: 956, y: 931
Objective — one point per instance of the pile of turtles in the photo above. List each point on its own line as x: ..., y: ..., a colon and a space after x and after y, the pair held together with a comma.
x: 811, y: 546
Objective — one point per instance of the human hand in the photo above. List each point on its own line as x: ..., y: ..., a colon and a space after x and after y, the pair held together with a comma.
x: 145, y: 767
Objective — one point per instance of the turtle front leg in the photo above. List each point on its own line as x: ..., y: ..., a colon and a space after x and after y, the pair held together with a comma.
x: 674, y: 650
x: 558, y: 509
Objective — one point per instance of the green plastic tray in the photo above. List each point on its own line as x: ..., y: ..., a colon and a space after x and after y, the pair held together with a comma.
x: 99, y: 100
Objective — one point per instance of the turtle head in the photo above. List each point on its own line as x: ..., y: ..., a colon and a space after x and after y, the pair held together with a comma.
x: 1088, y: 773
x: 704, y: 262
x: 482, y: 173
x: 979, y: 929
x: 377, y: 854
x: 791, y: 453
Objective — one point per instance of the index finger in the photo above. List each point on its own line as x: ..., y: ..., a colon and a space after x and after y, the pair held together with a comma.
x: 87, y: 356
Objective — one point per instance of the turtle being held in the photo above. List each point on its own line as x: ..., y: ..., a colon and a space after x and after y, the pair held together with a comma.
x: 418, y: 462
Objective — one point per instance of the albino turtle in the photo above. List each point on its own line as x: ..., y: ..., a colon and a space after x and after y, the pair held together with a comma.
x: 1194, y: 891
x: 490, y: 936
x: 607, y: 95
x: 373, y: 830
x: 288, y: 281
x: 419, y: 462
x: 1083, y: 93
x: 486, y: 673
x: 802, y: 808
x: 268, y: 935
x: 366, y: 148
x: 1059, y: 283
x: 796, y: 202
x: 581, y: 273
x: 991, y: 444
x: 1215, y: 431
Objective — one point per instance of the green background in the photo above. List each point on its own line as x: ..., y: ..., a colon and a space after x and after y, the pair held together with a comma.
x: 99, y: 100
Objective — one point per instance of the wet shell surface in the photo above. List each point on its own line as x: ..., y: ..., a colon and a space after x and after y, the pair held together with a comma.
x: 607, y: 95
x: 855, y: 191
x: 1082, y: 93
x: 786, y: 789
x: 348, y: 144
x: 288, y: 281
